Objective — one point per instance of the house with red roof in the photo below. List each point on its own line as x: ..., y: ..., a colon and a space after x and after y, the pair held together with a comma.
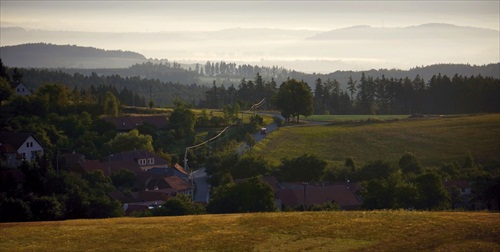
x: 143, y: 158
x: 9, y: 157
x: 290, y: 195
x: 295, y: 194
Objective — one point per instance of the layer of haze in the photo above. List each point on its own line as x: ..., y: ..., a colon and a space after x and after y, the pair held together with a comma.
x: 263, y: 32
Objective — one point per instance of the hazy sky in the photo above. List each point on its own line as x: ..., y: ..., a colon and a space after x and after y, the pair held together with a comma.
x: 154, y: 16
x: 182, y: 16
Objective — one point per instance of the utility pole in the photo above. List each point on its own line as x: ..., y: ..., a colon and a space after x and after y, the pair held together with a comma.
x: 196, y: 147
x: 150, y: 96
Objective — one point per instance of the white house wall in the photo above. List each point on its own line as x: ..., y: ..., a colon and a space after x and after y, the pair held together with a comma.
x: 30, y: 148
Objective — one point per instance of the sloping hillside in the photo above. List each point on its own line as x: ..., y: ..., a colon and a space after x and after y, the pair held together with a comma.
x: 66, y: 56
x: 287, y: 231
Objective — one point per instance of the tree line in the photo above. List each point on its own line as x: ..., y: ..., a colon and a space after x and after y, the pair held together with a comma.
x: 368, y: 95
x: 161, y: 93
x: 441, y: 94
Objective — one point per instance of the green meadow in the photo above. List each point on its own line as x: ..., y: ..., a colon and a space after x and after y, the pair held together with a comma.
x: 433, y: 140
x: 286, y: 231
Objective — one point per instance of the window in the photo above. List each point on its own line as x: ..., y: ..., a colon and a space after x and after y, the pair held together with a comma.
x: 151, y: 161
x: 31, y: 144
x: 27, y: 144
x: 142, y: 161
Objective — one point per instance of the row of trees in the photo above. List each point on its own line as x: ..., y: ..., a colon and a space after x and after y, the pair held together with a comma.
x: 440, y: 95
x: 381, y: 95
x: 249, y: 92
x: 132, y: 91
x: 223, y: 69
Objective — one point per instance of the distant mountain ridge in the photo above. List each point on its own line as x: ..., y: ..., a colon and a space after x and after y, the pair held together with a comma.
x: 311, y: 51
x: 42, y: 55
x: 430, y: 30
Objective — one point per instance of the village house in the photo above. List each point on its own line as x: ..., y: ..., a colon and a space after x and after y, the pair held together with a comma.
x: 288, y: 195
x: 177, y: 171
x: 155, y: 181
x: 19, y: 88
x: 25, y: 144
x: 143, y: 158
x: 9, y: 158
x: 294, y: 194
x: 463, y: 188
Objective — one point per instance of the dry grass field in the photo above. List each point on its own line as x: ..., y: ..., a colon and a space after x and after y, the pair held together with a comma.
x: 432, y: 140
x: 284, y: 231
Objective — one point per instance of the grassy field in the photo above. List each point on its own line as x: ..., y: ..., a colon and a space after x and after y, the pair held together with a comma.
x: 432, y: 140
x: 349, y: 118
x: 294, y: 231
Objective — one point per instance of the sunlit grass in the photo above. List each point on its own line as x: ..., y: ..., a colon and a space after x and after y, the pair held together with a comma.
x: 295, y: 231
x: 347, y: 118
x: 433, y: 141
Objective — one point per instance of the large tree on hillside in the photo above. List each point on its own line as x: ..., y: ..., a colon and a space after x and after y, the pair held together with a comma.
x: 252, y: 195
x: 294, y: 98
x: 183, y: 120
x: 307, y: 167
x: 432, y: 193
x: 131, y: 140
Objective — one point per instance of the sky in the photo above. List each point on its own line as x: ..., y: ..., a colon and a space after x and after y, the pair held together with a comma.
x: 194, y: 19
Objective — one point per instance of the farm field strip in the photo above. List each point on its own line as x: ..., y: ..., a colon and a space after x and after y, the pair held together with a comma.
x: 285, y: 231
x: 433, y: 141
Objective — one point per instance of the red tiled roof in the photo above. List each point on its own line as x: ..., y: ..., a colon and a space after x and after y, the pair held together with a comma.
x: 340, y: 194
x: 116, y: 166
x: 91, y: 165
x: 145, y: 180
x: 178, y: 184
x: 180, y: 169
x: 135, y: 155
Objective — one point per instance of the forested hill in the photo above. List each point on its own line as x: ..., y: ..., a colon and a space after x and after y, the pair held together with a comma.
x: 42, y: 55
x: 425, y: 73
x: 88, y: 60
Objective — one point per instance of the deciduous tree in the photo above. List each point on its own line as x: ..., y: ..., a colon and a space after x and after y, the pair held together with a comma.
x: 131, y: 140
x: 252, y: 195
x: 294, y: 98
x: 307, y: 167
